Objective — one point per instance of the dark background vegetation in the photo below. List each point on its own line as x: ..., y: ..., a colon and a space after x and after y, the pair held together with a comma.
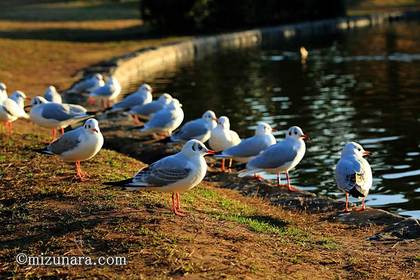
x: 214, y: 15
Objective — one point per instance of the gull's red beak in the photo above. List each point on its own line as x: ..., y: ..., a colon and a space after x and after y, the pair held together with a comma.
x: 306, y: 137
x: 28, y: 99
x: 273, y: 130
x: 210, y: 152
x: 94, y: 130
x: 366, y: 153
x: 215, y: 119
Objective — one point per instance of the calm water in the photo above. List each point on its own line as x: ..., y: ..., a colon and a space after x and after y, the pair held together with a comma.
x: 363, y: 85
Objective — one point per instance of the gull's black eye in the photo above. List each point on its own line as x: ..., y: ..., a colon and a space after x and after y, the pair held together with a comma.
x: 359, y: 149
x: 296, y: 132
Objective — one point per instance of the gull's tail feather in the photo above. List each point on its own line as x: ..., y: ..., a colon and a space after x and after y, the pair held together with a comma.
x: 44, y: 151
x: 248, y: 172
x: 223, y: 156
x: 123, y: 184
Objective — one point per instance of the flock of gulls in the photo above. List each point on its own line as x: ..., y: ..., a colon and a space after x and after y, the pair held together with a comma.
x: 162, y: 118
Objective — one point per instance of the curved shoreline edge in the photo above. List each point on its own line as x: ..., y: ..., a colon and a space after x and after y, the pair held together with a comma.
x: 145, y: 63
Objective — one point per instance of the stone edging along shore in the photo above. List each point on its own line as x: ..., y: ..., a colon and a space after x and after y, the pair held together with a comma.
x: 145, y: 63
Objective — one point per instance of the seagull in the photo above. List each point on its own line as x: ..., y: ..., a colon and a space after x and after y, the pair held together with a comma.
x: 11, y: 110
x: 176, y: 173
x: 106, y: 93
x: 77, y: 145
x: 52, y: 95
x: 223, y: 138
x: 353, y: 173
x: 19, y: 97
x: 142, y: 96
x: 89, y: 84
x: 280, y: 157
x: 54, y: 115
x: 199, y: 129
x: 251, y: 147
x: 166, y: 120
x: 3, y: 92
x: 147, y: 110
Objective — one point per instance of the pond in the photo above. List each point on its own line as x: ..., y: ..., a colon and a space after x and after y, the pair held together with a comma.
x: 362, y: 85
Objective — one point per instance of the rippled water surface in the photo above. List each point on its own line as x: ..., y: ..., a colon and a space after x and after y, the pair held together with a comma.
x: 363, y: 85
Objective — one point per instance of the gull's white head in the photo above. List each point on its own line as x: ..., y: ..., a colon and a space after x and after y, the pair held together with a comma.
x: 353, y: 148
x: 209, y: 116
x: 263, y: 128
x: 19, y: 95
x: 51, y: 89
x: 194, y: 148
x: 98, y: 77
x: 165, y: 98
x: 92, y: 126
x: 224, y: 122
x: 295, y: 132
x: 38, y: 100
x: 145, y: 88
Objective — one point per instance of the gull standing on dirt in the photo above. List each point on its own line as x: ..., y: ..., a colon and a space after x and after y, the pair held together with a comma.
x: 142, y: 96
x: 54, y: 115
x: 251, y: 147
x: 11, y: 110
x: 77, y: 145
x: 52, y: 95
x: 107, y: 93
x: 223, y: 138
x: 280, y: 157
x: 353, y: 173
x: 199, y: 129
x: 145, y: 111
x: 88, y: 84
x: 176, y: 173
x: 165, y: 121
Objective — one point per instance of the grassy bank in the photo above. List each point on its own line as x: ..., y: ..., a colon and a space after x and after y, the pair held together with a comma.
x: 43, y: 210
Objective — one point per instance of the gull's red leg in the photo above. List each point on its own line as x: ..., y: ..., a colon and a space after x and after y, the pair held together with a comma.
x: 62, y: 131
x: 53, y: 134
x: 363, y: 206
x: 180, y: 212
x: 79, y: 173
x: 223, y: 165
x: 278, y: 179
x: 347, y: 204
x: 258, y: 177
x: 289, y: 186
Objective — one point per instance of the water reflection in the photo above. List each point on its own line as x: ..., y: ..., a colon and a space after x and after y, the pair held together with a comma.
x: 362, y: 86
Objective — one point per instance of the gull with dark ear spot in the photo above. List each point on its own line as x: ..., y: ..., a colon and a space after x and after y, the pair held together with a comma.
x: 252, y: 146
x: 176, y: 174
x: 77, y: 145
x: 54, y: 115
x: 199, y: 129
x: 353, y: 173
x: 88, y: 84
x: 280, y: 157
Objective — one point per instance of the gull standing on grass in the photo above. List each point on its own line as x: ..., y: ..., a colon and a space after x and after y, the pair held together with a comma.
x: 88, y: 84
x: 223, y: 138
x: 142, y: 96
x: 54, y: 115
x: 353, y: 173
x: 199, y: 129
x: 145, y: 111
x: 52, y: 95
x: 251, y: 147
x: 11, y: 110
x: 106, y: 94
x: 77, y: 145
x: 176, y: 174
x: 165, y: 121
x: 280, y: 157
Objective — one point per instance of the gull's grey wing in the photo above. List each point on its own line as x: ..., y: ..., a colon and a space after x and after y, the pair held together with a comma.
x: 349, y: 174
x: 274, y: 156
x: 68, y: 141
x: 147, y: 109
x: 130, y: 101
x: 84, y: 85
x: 160, y: 120
x: 164, y: 172
x: 191, y: 129
x: 76, y: 109
x: 56, y: 111
x: 248, y: 147
x: 104, y: 91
